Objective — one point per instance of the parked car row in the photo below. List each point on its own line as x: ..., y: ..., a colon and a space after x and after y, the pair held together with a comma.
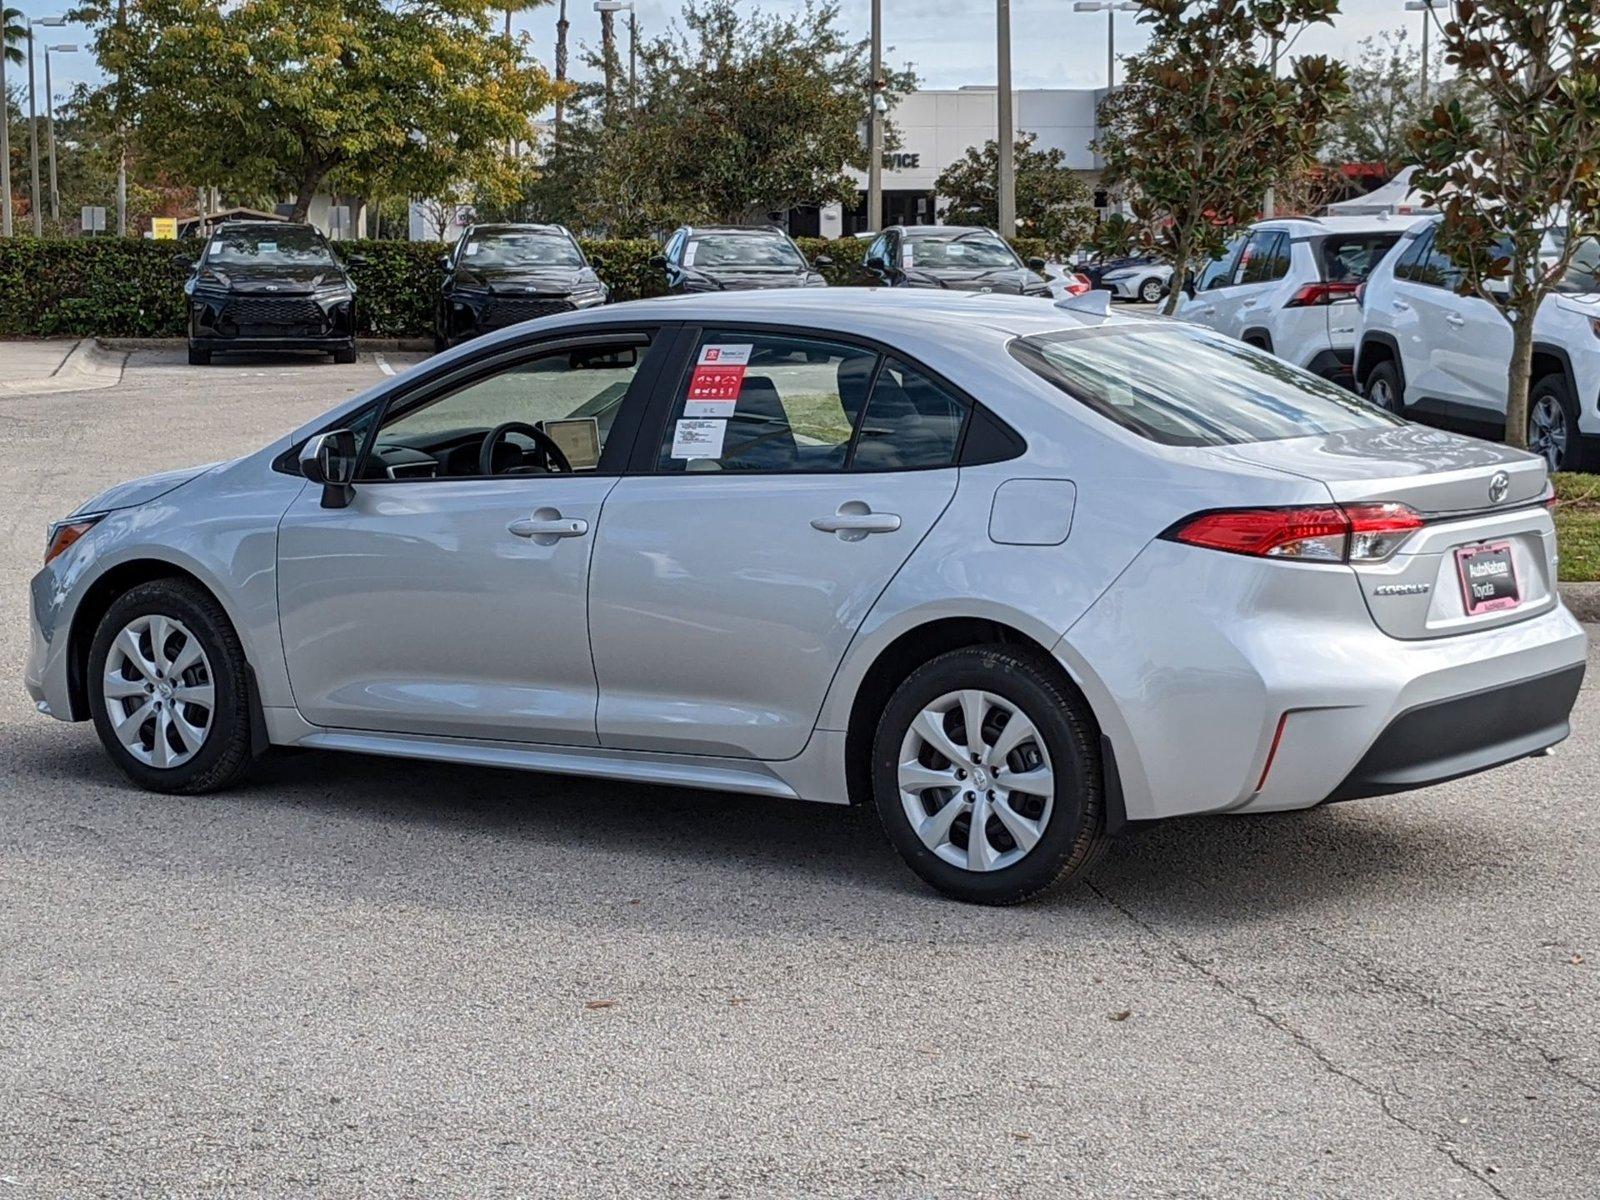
x: 1374, y: 304
x: 271, y: 285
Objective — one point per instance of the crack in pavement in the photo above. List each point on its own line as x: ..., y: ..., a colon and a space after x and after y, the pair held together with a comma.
x: 1323, y: 1058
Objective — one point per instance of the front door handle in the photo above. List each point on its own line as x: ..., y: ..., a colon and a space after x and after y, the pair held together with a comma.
x: 1399, y: 306
x: 855, y: 520
x: 547, y: 525
x: 1454, y: 320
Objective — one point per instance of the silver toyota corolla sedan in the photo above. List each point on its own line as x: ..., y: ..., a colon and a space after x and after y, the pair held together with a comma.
x: 1013, y: 573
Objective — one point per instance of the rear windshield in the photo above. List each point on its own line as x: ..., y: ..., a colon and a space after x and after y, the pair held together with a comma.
x: 1185, y: 386
x: 1350, y: 257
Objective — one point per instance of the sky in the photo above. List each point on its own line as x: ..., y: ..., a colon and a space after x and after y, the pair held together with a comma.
x: 948, y: 42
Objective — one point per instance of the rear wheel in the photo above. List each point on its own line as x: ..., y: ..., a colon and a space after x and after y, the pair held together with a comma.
x: 167, y: 689
x: 1553, y: 424
x: 1383, y: 388
x: 199, y: 358
x: 986, y: 776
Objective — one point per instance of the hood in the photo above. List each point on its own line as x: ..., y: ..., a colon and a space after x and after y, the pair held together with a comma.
x: 141, y: 491
x: 1009, y: 281
x: 523, y: 279
x: 739, y: 278
x: 1433, y: 471
x: 274, y: 278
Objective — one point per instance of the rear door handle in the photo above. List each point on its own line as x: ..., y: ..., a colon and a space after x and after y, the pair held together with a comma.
x: 547, y: 524
x: 1399, y: 306
x: 855, y: 520
x: 1454, y: 320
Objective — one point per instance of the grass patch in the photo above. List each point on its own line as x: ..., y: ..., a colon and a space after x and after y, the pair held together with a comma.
x: 1578, y: 526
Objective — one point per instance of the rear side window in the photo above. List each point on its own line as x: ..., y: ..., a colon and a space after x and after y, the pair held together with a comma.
x: 1349, y: 258
x: 1191, y: 387
x: 911, y: 422
x: 1265, y: 257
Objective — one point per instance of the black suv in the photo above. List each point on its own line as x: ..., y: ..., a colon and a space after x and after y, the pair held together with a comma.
x: 968, y: 258
x: 269, y: 285
x: 498, y: 275
x: 717, y: 258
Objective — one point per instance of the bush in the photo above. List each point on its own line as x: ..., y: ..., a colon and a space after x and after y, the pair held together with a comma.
x: 128, y: 287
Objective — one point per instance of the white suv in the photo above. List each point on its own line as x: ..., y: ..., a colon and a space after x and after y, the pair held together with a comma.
x: 1431, y: 354
x: 1289, y: 286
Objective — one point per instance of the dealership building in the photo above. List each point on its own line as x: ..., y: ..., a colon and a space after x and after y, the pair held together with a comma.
x: 936, y: 127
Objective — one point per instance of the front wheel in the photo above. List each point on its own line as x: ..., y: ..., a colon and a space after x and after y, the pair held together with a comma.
x: 987, y: 778
x: 199, y: 358
x: 167, y: 689
x: 1150, y: 291
x: 345, y: 355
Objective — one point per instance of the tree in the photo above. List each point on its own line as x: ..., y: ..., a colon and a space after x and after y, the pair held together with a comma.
x: 1528, y: 162
x: 290, y: 96
x: 1053, y: 201
x: 13, y: 34
x: 516, y: 6
x: 1204, y: 126
x: 1115, y: 236
x: 739, y: 113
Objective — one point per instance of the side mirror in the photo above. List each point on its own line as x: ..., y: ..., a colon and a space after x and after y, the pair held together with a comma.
x: 658, y: 261
x: 444, y: 262
x: 822, y: 260
x: 330, y: 459
x: 596, y: 262
x: 184, y: 261
x: 356, y: 260
x: 1188, y: 286
x: 874, y: 262
x: 1037, y: 264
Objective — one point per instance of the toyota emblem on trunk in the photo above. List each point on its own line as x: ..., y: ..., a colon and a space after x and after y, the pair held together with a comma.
x: 1498, y: 487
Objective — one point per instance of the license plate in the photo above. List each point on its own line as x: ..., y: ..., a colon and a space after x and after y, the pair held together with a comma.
x: 1488, y: 578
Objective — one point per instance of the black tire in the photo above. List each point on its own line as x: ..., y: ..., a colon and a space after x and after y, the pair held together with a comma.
x: 440, y: 343
x: 1382, y: 388
x: 345, y: 355
x: 225, y: 754
x: 199, y: 358
x: 1074, y: 835
x: 1554, y: 387
x: 1151, y: 291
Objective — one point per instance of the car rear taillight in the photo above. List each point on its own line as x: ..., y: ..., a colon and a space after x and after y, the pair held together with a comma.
x: 1314, y: 295
x: 1329, y: 533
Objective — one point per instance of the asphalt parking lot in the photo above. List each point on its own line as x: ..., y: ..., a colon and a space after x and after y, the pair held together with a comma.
x: 360, y: 977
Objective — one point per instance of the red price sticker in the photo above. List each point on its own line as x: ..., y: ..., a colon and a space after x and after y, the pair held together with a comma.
x: 718, y: 377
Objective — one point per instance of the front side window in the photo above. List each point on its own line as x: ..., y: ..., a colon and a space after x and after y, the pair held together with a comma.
x: 767, y: 402
x: 1219, y: 271
x: 545, y: 415
x: 979, y: 248
x: 521, y: 248
x: 290, y: 246
x: 742, y: 250
x: 1192, y: 387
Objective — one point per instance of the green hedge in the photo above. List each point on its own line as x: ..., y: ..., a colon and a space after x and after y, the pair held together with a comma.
x: 127, y: 287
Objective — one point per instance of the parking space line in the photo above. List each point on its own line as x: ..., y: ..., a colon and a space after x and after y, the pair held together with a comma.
x: 383, y: 364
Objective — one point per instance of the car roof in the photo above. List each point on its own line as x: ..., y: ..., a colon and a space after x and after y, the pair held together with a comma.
x: 1318, y: 226
x: 927, y: 231
x: 517, y: 227
x: 766, y: 230
x: 267, y: 225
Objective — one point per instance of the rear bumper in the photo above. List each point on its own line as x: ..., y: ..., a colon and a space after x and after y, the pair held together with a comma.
x: 1447, y: 739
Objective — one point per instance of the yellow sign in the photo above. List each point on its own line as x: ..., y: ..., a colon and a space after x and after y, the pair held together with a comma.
x: 164, y: 227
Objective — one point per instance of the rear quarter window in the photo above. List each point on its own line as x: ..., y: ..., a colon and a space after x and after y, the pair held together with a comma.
x: 1186, y: 386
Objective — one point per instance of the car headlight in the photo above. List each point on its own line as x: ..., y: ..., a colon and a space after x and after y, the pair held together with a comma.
x: 334, y: 293
x: 64, y: 533
x: 588, y: 297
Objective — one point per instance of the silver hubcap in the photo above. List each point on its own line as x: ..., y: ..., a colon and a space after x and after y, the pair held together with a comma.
x: 1150, y: 292
x: 975, y: 780
x: 1547, y: 430
x: 1380, y: 394
x: 159, y: 691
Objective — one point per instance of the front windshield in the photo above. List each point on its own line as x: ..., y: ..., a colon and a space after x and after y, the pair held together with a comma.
x: 742, y: 250
x: 981, y: 250
x: 289, y: 246
x: 521, y: 248
x: 1193, y: 387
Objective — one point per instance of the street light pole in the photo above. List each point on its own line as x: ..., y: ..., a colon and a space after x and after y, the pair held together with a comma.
x: 5, y: 139
x: 1425, y: 7
x: 1111, y: 8
x: 50, y: 123
x: 1006, y: 183
x: 33, y: 125
x: 875, y: 126
x: 633, y: 55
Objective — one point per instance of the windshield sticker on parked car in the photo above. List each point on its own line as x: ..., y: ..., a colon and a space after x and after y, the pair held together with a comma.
x: 689, y: 252
x: 908, y: 257
x: 718, y: 377
x: 266, y: 248
x: 473, y: 248
x: 698, y: 439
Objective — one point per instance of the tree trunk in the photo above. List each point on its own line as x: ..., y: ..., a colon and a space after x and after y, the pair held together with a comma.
x: 608, y: 54
x: 1520, y: 377
x: 310, y: 178
x: 561, y: 63
x: 508, y: 27
x: 1180, y: 270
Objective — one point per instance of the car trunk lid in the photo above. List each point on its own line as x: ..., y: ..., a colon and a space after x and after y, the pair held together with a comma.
x: 1486, y: 555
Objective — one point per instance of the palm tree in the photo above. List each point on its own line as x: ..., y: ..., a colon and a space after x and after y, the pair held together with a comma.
x: 515, y: 6
x: 15, y: 34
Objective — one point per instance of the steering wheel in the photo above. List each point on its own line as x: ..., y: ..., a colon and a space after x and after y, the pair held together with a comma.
x: 543, y: 445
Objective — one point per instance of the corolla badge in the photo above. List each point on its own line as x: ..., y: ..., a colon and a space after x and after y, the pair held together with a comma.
x: 1499, y: 487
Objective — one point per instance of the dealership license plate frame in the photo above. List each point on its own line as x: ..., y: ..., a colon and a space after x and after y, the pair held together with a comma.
x: 1500, y: 600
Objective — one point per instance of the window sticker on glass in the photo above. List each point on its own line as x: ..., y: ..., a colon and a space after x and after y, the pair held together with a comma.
x: 688, y: 253
x: 473, y: 248
x: 908, y: 256
x: 718, y: 377
x: 698, y: 439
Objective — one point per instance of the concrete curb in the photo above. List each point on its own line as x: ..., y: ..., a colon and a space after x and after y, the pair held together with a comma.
x: 370, y: 345
x: 87, y: 367
x: 1584, y: 601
